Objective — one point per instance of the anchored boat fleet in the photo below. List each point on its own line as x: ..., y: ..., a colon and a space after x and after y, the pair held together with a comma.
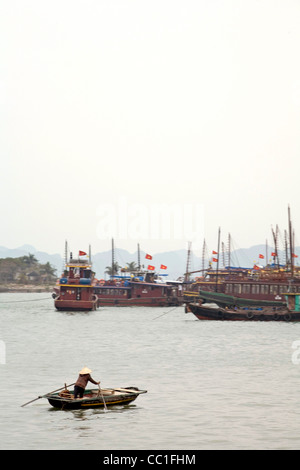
x: 257, y: 293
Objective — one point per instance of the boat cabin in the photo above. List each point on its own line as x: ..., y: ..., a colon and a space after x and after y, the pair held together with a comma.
x: 137, y: 292
x: 76, y: 287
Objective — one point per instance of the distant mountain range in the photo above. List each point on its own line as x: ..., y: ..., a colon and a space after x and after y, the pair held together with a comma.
x: 176, y: 261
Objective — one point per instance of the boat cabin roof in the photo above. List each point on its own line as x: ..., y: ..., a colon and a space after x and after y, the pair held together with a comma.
x: 75, y: 265
x: 152, y: 284
x: 107, y: 286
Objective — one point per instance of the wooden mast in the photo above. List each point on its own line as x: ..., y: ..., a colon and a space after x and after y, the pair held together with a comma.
x: 223, y: 254
x: 229, y: 250
x: 66, y: 258
x: 291, y: 242
x: 139, y: 257
x: 66, y: 253
x: 286, y: 249
x: 275, y: 238
x: 217, y: 273
x: 187, y: 271
x: 203, y: 254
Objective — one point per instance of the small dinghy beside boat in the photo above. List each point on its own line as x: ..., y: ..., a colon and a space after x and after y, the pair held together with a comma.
x: 94, y: 398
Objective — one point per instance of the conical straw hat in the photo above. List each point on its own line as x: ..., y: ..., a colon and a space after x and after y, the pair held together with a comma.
x: 85, y: 370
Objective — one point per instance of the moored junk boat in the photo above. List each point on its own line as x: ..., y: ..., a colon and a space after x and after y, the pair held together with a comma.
x: 259, y: 283
x: 94, y: 398
x: 291, y: 312
x: 268, y: 284
x: 75, y: 290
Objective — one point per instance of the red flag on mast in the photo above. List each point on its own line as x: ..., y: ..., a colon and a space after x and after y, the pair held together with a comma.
x: 82, y: 253
x: 148, y: 256
x: 151, y: 268
x: 162, y: 266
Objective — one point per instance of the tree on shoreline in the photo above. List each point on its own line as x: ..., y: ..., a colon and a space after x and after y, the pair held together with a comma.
x: 131, y: 266
x: 25, y: 270
x: 29, y: 259
x: 112, y: 270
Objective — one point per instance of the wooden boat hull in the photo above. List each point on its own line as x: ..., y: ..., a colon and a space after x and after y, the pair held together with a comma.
x: 140, y: 302
x: 251, y: 314
x: 74, y: 305
x: 94, y: 399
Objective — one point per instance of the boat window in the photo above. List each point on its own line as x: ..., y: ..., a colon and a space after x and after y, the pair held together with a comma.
x: 273, y: 289
x: 237, y: 289
x: 283, y: 289
x: 264, y: 289
x: 228, y: 288
x: 246, y: 289
x: 255, y: 289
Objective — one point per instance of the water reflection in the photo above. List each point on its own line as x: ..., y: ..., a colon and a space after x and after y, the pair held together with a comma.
x: 91, y: 413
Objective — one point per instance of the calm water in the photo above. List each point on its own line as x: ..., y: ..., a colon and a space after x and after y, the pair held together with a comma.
x: 211, y: 385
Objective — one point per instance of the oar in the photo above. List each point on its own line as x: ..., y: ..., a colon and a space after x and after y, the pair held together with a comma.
x: 42, y: 396
x: 105, y: 407
x: 137, y: 392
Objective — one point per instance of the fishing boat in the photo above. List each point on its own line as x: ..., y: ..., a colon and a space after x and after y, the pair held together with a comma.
x: 94, y: 398
x: 289, y: 313
x: 75, y: 290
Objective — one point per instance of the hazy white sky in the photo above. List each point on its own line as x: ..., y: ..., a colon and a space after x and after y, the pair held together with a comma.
x: 111, y: 108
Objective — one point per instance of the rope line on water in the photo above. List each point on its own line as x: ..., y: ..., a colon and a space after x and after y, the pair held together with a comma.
x: 165, y: 313
x: 28, y: 300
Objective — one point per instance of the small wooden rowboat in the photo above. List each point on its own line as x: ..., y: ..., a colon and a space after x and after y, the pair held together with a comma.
x: 94, y: 398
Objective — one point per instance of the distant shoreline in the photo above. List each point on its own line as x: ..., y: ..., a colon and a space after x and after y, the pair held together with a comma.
x: 23, y: 288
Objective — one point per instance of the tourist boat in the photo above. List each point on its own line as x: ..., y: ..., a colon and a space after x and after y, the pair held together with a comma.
x: 258, y: 284
x: 289, y: 313
x: 75, y: 290
x: 269, y: 284
x: 142, y: 289
x: 94, y: 398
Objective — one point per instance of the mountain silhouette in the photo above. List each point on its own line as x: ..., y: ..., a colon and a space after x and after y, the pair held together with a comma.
x: 176, y: 261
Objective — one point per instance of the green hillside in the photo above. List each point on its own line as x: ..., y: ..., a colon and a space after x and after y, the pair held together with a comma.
x: 26, y: 270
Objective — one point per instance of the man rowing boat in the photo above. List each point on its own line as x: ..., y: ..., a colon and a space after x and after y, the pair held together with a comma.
x: 81, y: 383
